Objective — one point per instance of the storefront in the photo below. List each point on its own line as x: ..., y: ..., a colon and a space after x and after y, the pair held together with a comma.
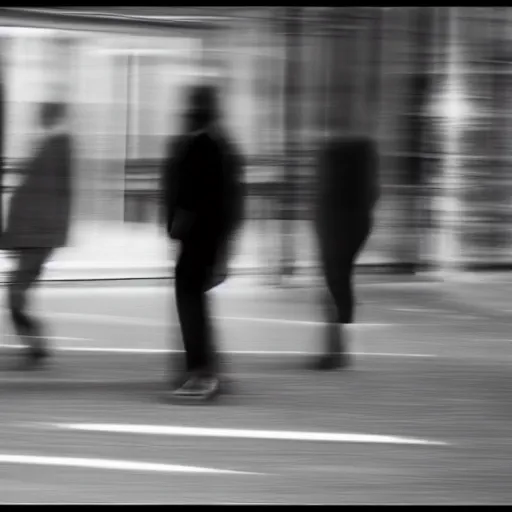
x: 286, y: 84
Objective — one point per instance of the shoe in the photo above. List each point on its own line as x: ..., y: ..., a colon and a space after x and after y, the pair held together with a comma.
x: 196, y: 389
x: 177, y: 381
x: 336, y: 356
x: 333, y: 361
x: 209, y: 387
x: 33, y: 359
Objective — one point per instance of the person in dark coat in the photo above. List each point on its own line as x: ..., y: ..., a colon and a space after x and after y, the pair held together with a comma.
x: 38, y: 222
x: 203, y: 200
x: 347, y: 194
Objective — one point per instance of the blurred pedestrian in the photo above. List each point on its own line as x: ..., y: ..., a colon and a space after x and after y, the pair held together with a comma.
x: 347, y: 194
x: 203, y: 199
x: 37, y: 223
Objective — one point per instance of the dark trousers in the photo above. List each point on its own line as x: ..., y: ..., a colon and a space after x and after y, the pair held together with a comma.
x: 339, y: 253
x: 29, y: 263
x: 193, y: 277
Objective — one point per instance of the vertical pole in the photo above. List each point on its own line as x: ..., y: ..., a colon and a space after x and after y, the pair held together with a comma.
x: 374, y: 80
x: 449, y: 249
x: 419, y: 90
x: 129, y: 84
x: 2, y: 145
x: 2, y: 161
x: 128, y: 135
x: 291, y: 129
x: 435, y: 139
x: 499, y: 139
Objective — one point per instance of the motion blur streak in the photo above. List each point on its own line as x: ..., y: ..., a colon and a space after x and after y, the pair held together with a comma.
x: 426, y: 399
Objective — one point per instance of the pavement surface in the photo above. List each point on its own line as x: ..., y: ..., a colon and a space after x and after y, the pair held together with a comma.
x: 422, y: 417
x: 489, y: 293
x: 109, y: 251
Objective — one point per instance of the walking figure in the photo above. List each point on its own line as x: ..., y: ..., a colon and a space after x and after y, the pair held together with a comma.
x: 38, y: 223
x: 347, y: 194
x: 203, y: 201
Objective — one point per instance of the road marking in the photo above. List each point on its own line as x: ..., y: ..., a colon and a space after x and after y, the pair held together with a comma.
x: 274, y: 435
x: 305, y: 323
x: 121, y: 350
x: 238, y: 289
x: 120, y: 465
x: 99, y: 318
x: 418, y: 310
x: 52, y: 338
x: 391, y: 354
x: 148, y: 322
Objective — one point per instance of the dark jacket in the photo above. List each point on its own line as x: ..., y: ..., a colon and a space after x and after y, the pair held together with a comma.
x: 202, y: 179
x: 347, y: 184
x: 40, y: 208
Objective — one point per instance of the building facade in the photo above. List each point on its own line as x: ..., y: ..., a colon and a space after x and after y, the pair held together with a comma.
x: 429, y: 83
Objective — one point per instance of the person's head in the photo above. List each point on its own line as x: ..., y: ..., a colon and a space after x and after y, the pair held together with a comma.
x: 52, y: 114
x: 202, y: 107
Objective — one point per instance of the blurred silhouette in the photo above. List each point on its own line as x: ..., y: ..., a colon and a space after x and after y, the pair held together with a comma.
x: 346, y: 195
x: 38, y: 223
x: 203, y: 200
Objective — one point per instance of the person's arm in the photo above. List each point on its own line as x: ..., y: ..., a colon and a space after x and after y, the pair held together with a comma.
x: 173, y: 181
x: 186, y: 185
x: 166, y: 183
x: 57, y: 164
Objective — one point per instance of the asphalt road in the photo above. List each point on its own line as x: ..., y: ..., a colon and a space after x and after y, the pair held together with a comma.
x: 433, y: 380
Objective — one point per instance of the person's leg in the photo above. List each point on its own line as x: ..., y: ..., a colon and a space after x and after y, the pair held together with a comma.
x: 357, y: 240
x: 189, y: 307
x: 193, y: 272
x: 28, y: 268
x: 17, y: 287
x: 213, y: 270
x: 331, y: 342
x: 216, y: 272
x: 338, y: 260
x: 206, y: 349
x: 343, y: 286
x: 334, y: 351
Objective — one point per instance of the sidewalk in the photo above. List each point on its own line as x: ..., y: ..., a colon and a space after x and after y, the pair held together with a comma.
x: 106, y: 252
x: 110, y: 251
x: 487, y: 293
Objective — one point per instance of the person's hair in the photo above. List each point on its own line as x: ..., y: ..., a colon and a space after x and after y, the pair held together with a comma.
x: 52, y: 113
x: 203, y: 104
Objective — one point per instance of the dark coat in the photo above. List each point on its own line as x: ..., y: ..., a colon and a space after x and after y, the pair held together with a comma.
x: 347, y: 185
x: 202, y: 178
x: 40, y: 208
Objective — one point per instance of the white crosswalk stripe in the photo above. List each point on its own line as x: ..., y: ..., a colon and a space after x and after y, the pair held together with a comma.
x: 245, y: 434
x: 109, y: 464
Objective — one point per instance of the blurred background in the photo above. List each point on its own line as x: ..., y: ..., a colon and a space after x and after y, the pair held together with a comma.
x: 427, y: 407
x: 431, y: 83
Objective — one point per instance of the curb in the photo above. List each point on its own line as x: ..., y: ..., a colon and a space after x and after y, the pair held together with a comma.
x: 305, y: 277
x: 161, y: 272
